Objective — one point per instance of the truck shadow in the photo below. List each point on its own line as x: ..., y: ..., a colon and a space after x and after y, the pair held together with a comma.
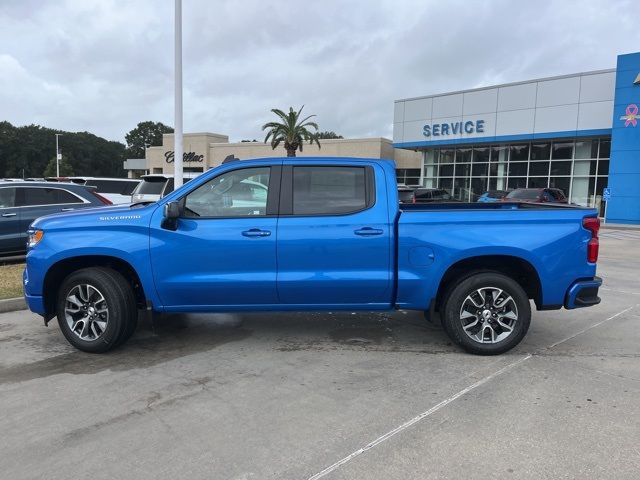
x: 170, y: 337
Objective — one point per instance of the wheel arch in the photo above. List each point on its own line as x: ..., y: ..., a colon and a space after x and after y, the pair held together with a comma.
x: 517, y: 268
x: 63, y: 268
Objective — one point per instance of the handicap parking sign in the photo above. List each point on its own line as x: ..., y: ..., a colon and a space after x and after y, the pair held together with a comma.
x: 606, y: 194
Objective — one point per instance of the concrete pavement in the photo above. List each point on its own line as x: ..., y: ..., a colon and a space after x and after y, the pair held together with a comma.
x: 300, y: 396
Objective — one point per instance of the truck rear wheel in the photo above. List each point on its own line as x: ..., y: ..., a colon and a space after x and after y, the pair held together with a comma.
x: 96, y: 309
x: 487, y: 313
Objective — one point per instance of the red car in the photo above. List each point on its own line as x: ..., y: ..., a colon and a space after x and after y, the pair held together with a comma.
x: 536, y: 195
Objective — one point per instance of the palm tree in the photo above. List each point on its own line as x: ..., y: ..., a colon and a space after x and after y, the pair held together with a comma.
x: 291, y: 130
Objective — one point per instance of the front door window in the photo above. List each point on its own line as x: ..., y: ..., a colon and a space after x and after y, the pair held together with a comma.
x: 239, y: 193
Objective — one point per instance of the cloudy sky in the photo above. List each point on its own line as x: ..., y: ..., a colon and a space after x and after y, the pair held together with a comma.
x: 105, y: 65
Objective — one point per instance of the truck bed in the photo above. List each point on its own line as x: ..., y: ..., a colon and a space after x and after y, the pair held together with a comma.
x: 433, y: 237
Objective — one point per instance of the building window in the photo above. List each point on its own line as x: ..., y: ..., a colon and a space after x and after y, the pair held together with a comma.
x: 541, y: 151
x: 519, y: 153
x: 580, y: 168
x: 562, y: 151
x: 409, y: 176
x: 481, y: 154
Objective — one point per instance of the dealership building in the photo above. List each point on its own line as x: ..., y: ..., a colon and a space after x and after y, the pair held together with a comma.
x: 203, y: 151
x: 577, y: 132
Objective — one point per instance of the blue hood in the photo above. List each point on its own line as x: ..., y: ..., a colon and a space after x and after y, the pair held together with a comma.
x: 97, y: 217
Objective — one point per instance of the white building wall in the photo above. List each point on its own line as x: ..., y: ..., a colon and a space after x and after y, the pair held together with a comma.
x: 570, y: 103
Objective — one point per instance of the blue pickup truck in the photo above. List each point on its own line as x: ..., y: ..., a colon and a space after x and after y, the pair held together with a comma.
x: 312, y: 234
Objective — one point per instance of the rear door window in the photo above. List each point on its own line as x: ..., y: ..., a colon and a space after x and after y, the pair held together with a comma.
x: 423, y: 194
x: 7, y: 197
x: 47, y: 196
x: 441, y: 195
x: 328, y: 190
x: 122, y: 187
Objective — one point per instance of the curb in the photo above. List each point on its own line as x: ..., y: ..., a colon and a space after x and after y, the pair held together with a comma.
x: 12, y: 305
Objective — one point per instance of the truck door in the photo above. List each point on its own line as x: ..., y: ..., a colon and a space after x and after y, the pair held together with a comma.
x: 223, y: 251
x: 334, y: 238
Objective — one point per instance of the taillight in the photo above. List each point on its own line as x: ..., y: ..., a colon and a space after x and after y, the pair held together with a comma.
x: 104, y: 200
x: 413, y: 198
x: 593, y: 225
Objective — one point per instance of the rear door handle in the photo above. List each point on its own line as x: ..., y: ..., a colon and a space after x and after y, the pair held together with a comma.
x: 66, y: 209
x: 256, y: 232
x: 368, y: 231
x: 9, y: 214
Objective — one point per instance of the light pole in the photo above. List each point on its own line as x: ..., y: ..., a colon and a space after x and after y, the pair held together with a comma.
x: 177, y: 135
x: 58, y: 155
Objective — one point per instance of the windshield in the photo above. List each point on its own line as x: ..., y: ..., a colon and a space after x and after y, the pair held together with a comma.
x: 405, y: 195
x: 150, y: 186
x: 524, y: 194
x: 495, y: 194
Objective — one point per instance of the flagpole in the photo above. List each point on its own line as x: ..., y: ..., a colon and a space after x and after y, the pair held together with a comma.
x: 177, y: 136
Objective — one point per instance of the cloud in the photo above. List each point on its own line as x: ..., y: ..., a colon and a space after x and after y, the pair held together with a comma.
x: 105, y: 65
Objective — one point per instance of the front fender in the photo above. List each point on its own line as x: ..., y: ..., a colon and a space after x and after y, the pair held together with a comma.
x: 124, y: 243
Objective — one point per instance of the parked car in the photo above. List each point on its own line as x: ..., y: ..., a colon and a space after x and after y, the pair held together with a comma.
x: 22, y: 202
x: 329, y: 235
x: 492, y: 196
x: 154, y: 186
x: 118, y: 190
x: 426, y: 195
x: 430, y: 195
x: 406, y: 194
x: 536, y: 195
x: 22, y: 179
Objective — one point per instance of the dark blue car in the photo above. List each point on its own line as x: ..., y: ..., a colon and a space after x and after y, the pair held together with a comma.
x: 22, y: 202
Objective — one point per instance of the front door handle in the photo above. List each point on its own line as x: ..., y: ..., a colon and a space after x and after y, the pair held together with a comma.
x: 66, y: 209
x: 256, y: 232
x: 9, y: 214
x: 368, y: 231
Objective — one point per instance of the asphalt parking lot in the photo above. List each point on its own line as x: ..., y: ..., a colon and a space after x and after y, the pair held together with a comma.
x: 310, y: 396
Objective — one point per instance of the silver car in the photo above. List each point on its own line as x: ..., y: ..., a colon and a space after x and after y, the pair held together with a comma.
x: 155, y: 186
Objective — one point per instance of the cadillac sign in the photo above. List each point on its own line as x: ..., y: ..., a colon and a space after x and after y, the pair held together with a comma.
x: 186, y: 157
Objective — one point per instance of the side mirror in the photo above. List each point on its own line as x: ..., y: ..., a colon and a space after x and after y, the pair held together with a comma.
x: 172, y: 212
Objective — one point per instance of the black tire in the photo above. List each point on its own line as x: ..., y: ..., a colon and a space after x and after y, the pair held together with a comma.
x: 120, y: 302
x: 471, y: 286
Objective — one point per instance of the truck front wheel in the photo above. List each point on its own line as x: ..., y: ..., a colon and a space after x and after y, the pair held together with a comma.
x: 487, y: 313
x: 96, y: 309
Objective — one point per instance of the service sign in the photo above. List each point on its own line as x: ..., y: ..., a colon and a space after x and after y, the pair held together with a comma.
x: 453, y: 128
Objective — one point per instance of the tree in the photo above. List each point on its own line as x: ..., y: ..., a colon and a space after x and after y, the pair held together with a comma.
x: 291, y: 130
x: 146, y: 134
x: 66, y: 170
x: 27, y: 150
x: 328, y: 135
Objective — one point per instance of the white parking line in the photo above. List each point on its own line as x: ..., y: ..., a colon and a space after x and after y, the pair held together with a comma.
x: 626, y: 292
x: 591, y: 327
x: 454, y: 397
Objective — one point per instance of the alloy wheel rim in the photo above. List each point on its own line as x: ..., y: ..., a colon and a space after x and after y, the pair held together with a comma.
x: 86, y: 312
x: 488, y: 315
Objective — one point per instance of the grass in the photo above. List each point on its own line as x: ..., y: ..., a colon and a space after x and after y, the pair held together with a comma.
x: 11, y: 281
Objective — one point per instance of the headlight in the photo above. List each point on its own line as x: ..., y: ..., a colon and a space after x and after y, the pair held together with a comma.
x: 34, y: 238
